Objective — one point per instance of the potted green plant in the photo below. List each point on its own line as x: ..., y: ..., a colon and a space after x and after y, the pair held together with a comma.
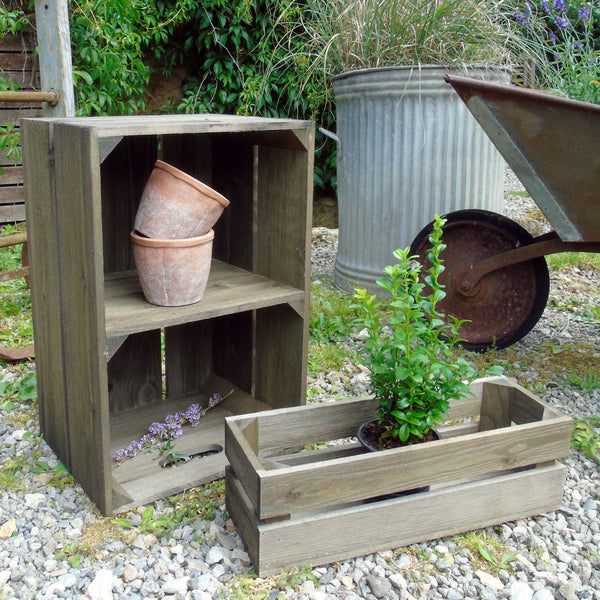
x: 410, y: 351
x: 408, y: 148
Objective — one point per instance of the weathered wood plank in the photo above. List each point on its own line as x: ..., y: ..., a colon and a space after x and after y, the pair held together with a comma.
x: 12, y: 194
x: 188, y: 358
x: 343, y: 480
x: 239, y: 452
x: 18, y: 43
x: 45, y: 296
x: 12, y: 213
x: 281, y: 350
x: 18, y: 61
x: 134, y: 372
x: 79, y: 235
x: 234, y: 357
x: 496, y: 401
x: 5, y: 160
x: 24, y: 79
x: 236, y: 240
x: 281, y: 429
x: 11, y: 176
x: 276, y: 132
x: 128, y: 312
x: 122, y: 189
x: 358, y: 530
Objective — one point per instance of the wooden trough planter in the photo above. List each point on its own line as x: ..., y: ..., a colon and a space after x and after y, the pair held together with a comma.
x: 296, y: 505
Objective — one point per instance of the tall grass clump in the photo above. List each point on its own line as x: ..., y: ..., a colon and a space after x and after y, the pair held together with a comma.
x: 357, y: 34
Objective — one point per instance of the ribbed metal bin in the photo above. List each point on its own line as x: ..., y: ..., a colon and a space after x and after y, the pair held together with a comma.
x: 409, y: 149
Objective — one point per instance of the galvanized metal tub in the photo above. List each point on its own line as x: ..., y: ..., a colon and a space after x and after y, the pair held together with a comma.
x: 409, y: 149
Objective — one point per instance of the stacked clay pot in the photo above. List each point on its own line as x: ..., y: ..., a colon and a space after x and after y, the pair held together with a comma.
x: 173, y: 236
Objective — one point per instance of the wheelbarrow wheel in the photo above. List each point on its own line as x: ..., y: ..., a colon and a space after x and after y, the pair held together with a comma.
x: 505, y: 304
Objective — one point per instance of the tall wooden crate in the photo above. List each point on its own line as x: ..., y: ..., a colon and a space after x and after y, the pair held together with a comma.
x: 100, y: 354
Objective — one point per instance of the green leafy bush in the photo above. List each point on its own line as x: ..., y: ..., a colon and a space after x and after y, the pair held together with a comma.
x: 410, y: 349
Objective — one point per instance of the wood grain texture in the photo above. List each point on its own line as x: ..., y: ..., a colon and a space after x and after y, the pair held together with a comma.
x: 188, y: 358
x: 78, y: 224
x: 292, y: 486
x: 134, y: 372
x: 343, y: 533
x: 45, y: 285
x: 293, y: 489
x: 229, y: 290
x: 123, y: 176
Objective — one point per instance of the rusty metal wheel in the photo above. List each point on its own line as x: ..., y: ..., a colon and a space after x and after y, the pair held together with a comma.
x: 505, y: 304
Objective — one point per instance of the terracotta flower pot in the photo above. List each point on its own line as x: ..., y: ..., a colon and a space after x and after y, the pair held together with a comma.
x: 174, y: 205
x: 173, y: 272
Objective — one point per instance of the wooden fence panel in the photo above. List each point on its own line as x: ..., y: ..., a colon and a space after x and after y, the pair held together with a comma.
x: 19, y: 64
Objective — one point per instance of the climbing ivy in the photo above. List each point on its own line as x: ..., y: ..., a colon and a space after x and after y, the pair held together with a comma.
x: 111, y: 42
x: 236, y: 54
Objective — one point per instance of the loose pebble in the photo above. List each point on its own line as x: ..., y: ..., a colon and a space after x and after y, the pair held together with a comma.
x: 43, y: 528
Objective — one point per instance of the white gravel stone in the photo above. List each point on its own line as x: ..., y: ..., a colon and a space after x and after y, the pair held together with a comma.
x: 554, y: 558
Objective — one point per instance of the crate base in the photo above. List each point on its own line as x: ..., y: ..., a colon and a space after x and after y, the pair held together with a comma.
x: 334, y: 534
x: 142, y: 479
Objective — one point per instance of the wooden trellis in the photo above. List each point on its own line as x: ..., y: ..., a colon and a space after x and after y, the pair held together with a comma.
x: 18, y: 63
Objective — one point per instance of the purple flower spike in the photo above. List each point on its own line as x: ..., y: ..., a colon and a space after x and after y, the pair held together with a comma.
x: 562, y: 23
x: 545, y: 6
x: 560, y: 6
x: 584, y: 14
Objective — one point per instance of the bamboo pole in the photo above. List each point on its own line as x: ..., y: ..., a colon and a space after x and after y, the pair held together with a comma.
x: 52, y: 97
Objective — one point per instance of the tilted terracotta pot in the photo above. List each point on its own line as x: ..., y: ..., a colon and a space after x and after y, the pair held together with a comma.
x: 173, y: 272
x: 174, y: 205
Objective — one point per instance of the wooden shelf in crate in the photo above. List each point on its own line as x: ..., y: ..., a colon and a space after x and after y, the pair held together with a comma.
x: 142, y: 479
x: 229, y: 290
x: 312, y: 507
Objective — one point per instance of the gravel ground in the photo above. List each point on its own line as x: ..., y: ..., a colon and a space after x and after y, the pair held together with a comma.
x: 54, y: 544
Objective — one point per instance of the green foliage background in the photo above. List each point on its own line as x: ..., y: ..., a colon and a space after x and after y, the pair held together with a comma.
x: 235, y: 53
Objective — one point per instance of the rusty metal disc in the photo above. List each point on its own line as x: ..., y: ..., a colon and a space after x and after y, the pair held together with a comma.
x: 505, y: 304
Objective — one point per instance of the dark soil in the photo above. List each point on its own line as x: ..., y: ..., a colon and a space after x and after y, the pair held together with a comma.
x: 373, y: 432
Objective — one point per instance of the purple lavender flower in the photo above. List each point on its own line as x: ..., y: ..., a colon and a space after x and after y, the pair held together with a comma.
x: 214, y: 400
x: 161, y: 434
x: 552, y: 37
x: 562, y: 22
x: 520, y: 18
x: 584, y: 14
x: 545, y: 6
x: 193, y: 414
x: 560, y: 6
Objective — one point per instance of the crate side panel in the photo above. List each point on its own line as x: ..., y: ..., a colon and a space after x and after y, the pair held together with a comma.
x: 233, y: 350
x: 319, y: 485
x: 124, y: 174
x: 280, y: 356
x: 134, y: 372
x: 360, y: 530
x: 45, y: 285
x: 234, y: 176
x: 284, y: 218
x: 82, y: 309
x: 289, y: 428
x: 243, y: 461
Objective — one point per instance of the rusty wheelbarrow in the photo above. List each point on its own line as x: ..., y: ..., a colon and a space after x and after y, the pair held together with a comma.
x: 496, y: 275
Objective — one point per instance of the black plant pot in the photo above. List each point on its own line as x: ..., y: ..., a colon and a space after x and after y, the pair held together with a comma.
x: 370, y: 448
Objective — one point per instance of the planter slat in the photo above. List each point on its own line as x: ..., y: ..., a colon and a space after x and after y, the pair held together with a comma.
x: 273, y: 480
x: 338, y: 534
x: 363, y: 476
